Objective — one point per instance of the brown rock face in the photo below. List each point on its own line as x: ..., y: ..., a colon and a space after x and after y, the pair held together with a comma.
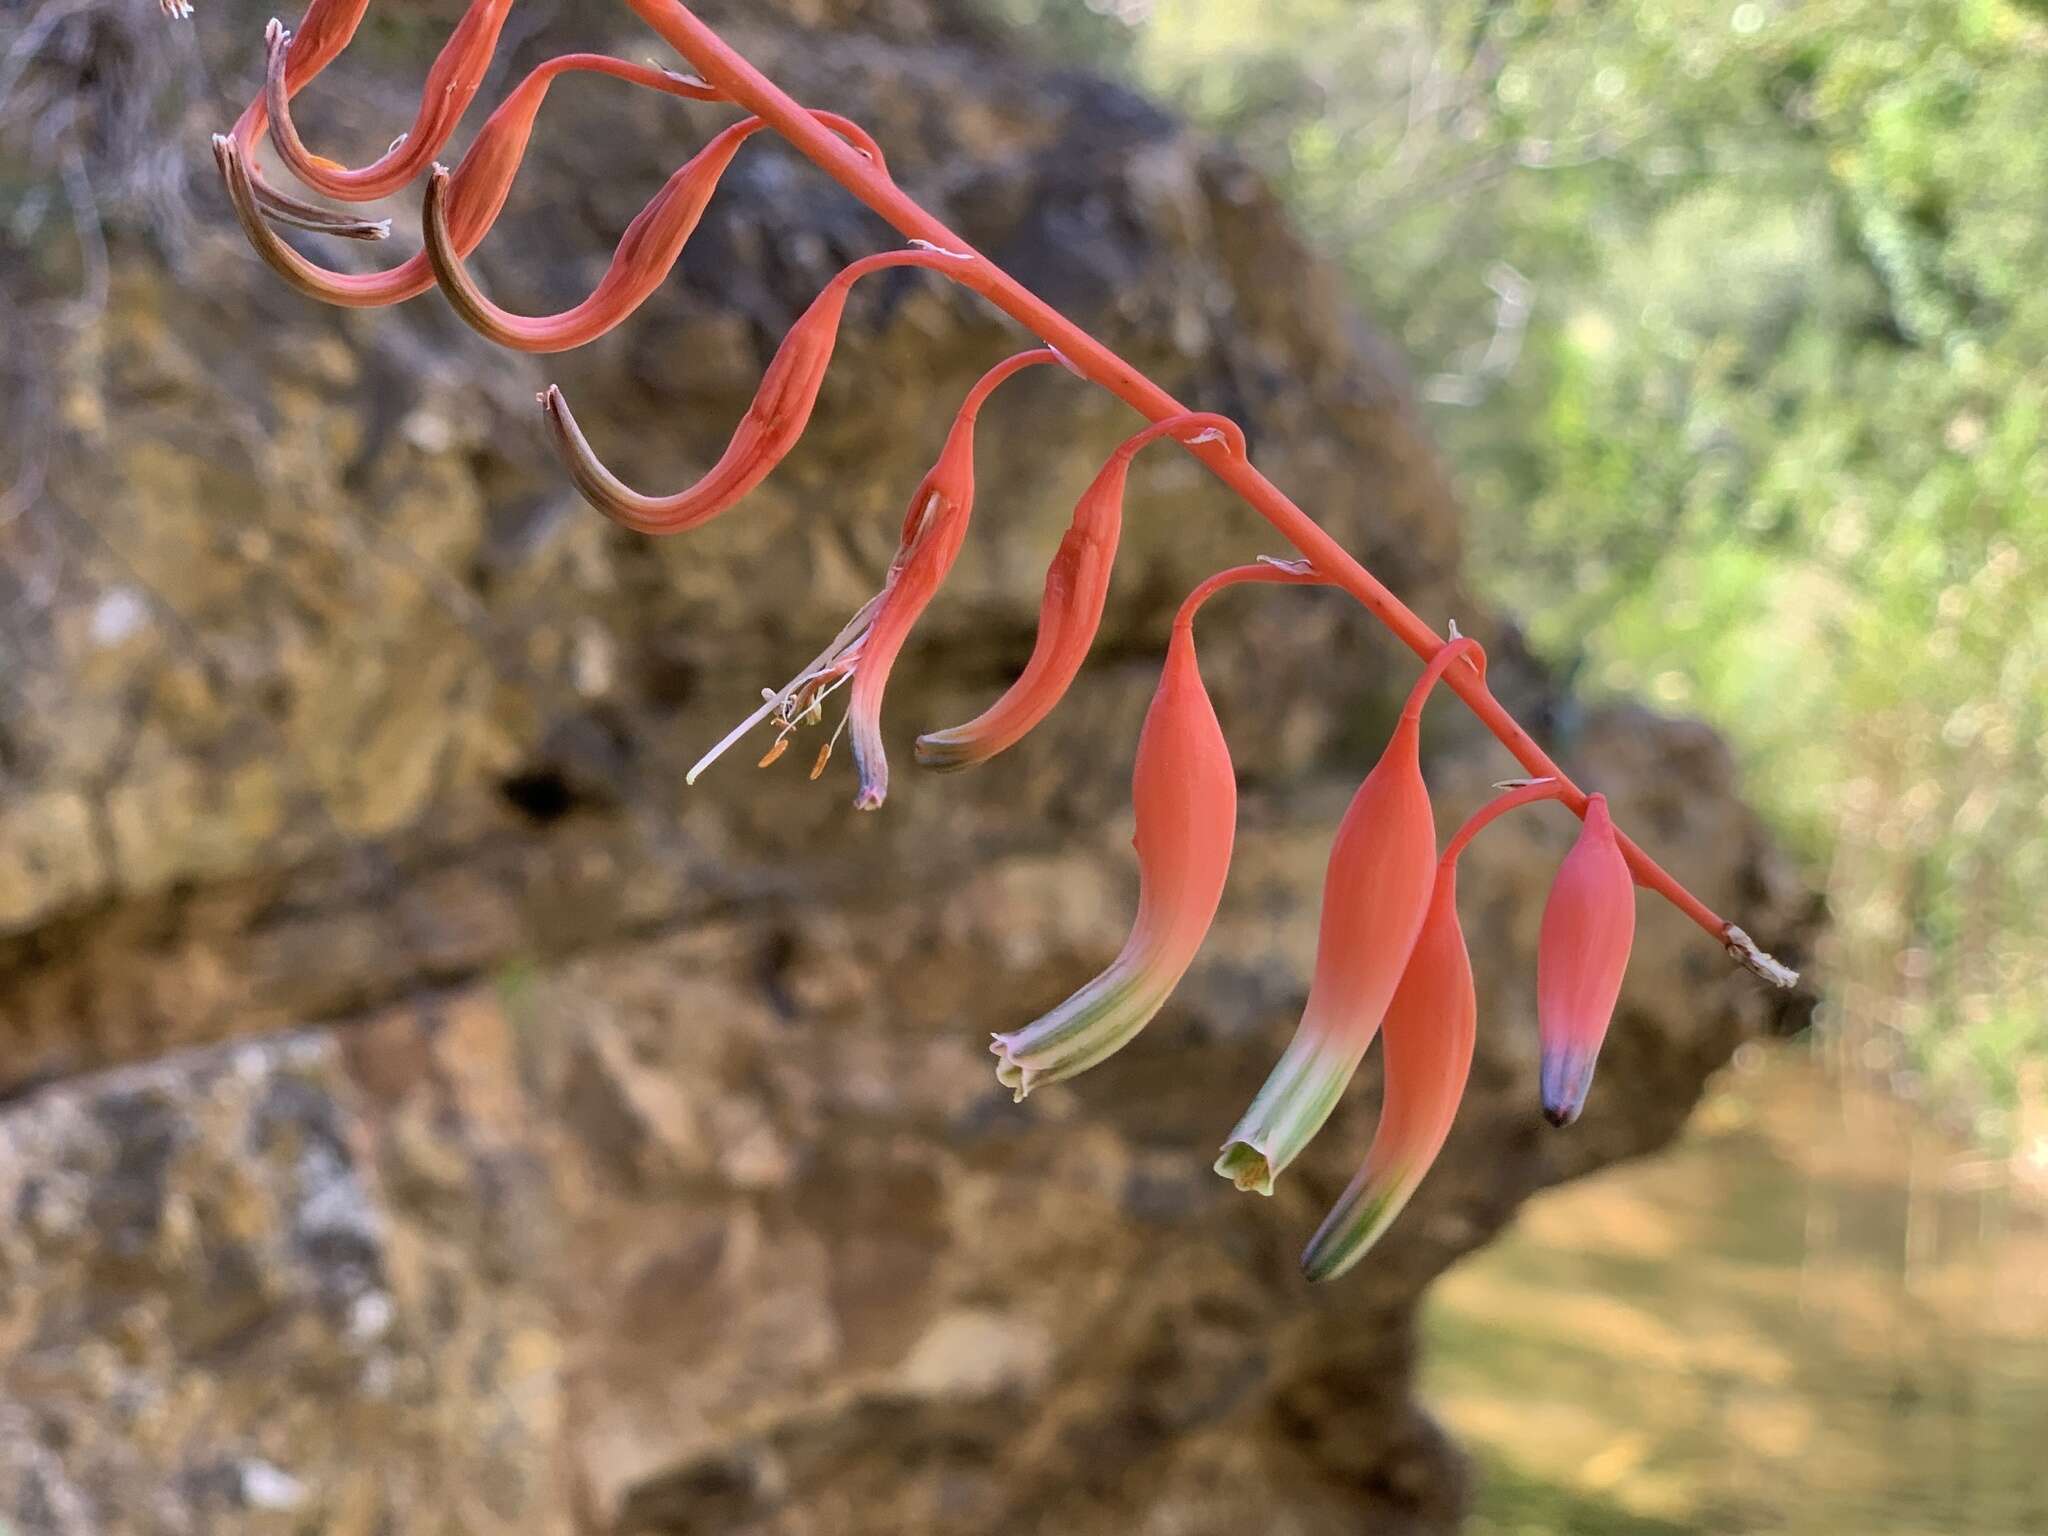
x: 422, y: 1114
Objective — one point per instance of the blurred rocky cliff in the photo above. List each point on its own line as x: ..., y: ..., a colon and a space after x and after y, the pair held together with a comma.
x: 418, y: 1112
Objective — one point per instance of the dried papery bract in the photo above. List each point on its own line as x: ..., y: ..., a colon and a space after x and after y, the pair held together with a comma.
x: 864, y: 651
x: 780, y: 411
x: 1589, y: 924
x: 1076, y: 587
x: 1375, y: 893
x: 1426, y: 1040
x: 1185, y: 794
x: 452, y: 83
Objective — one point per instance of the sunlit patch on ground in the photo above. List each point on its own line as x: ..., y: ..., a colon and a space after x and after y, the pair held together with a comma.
x: 1815, y: 1315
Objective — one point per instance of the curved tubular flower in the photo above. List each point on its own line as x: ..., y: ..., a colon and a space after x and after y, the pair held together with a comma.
x: 864, y: 651
x: 934, y: 527
x: 1076, y: 587
x: 1185, y: 793
x: 645, y: 254
x: 780, y: 411
x: 326, y: 29
x: 475, y: 194
x: 452, y: 83
x: 1427, y: 1037
x: 1589, y: 923
x: 1375, y: 895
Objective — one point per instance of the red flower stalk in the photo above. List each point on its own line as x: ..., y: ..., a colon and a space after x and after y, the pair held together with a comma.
x: 1589, y: 922
x: 475, y: 194
x: 1076, y: 587
x: 1427, y: 1038
x: 452, y: 83
x: 1375, y: 894
x: 1185, y: 793
x: 864, y: 652
x: 780, y: 411
x: 645, y: 255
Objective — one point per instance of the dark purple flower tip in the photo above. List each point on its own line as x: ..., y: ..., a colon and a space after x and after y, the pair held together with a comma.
x: 1567, y: 1078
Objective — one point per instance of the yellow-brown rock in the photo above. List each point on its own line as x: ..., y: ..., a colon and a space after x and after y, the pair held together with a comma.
x: 422, y: 1114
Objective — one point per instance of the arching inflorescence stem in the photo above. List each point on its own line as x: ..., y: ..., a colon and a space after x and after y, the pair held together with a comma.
x: 1390, y: 955
x: 739, y: 82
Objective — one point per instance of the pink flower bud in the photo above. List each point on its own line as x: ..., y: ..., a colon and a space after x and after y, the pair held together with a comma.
x: 1375, y: 893
x: 1589, y: 922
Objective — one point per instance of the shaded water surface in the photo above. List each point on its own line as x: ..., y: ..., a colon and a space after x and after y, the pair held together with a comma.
x: 1815, y: 1316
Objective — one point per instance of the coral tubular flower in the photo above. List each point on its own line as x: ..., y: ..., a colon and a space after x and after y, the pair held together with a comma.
x: 452, y: 83
x: 1375, y: 894
x: 780, y: 411
x: 645, y: 255
x: 326, y: 29
x: 475, y: 194
x: 1589, y: 922
x: 1076, y: 587
x: 863, y: 653
x: 1185, y: 793
x: 1427, y: 1039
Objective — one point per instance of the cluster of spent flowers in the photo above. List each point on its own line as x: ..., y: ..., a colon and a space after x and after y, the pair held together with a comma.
x: 1390, y: 957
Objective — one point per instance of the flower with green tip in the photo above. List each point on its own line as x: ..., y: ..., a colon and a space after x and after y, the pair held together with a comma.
x: 1375, y: 893
x: 1185, y: 793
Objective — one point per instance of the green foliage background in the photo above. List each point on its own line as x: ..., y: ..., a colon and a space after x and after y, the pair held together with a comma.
x: 1732, y: 320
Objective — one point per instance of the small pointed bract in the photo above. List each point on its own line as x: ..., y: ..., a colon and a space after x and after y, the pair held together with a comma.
x: 1069, y: 614
x: 1375, y: 893
x: 1426, y: 1039
x: 1589, y: 923
x: 780, y: 411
